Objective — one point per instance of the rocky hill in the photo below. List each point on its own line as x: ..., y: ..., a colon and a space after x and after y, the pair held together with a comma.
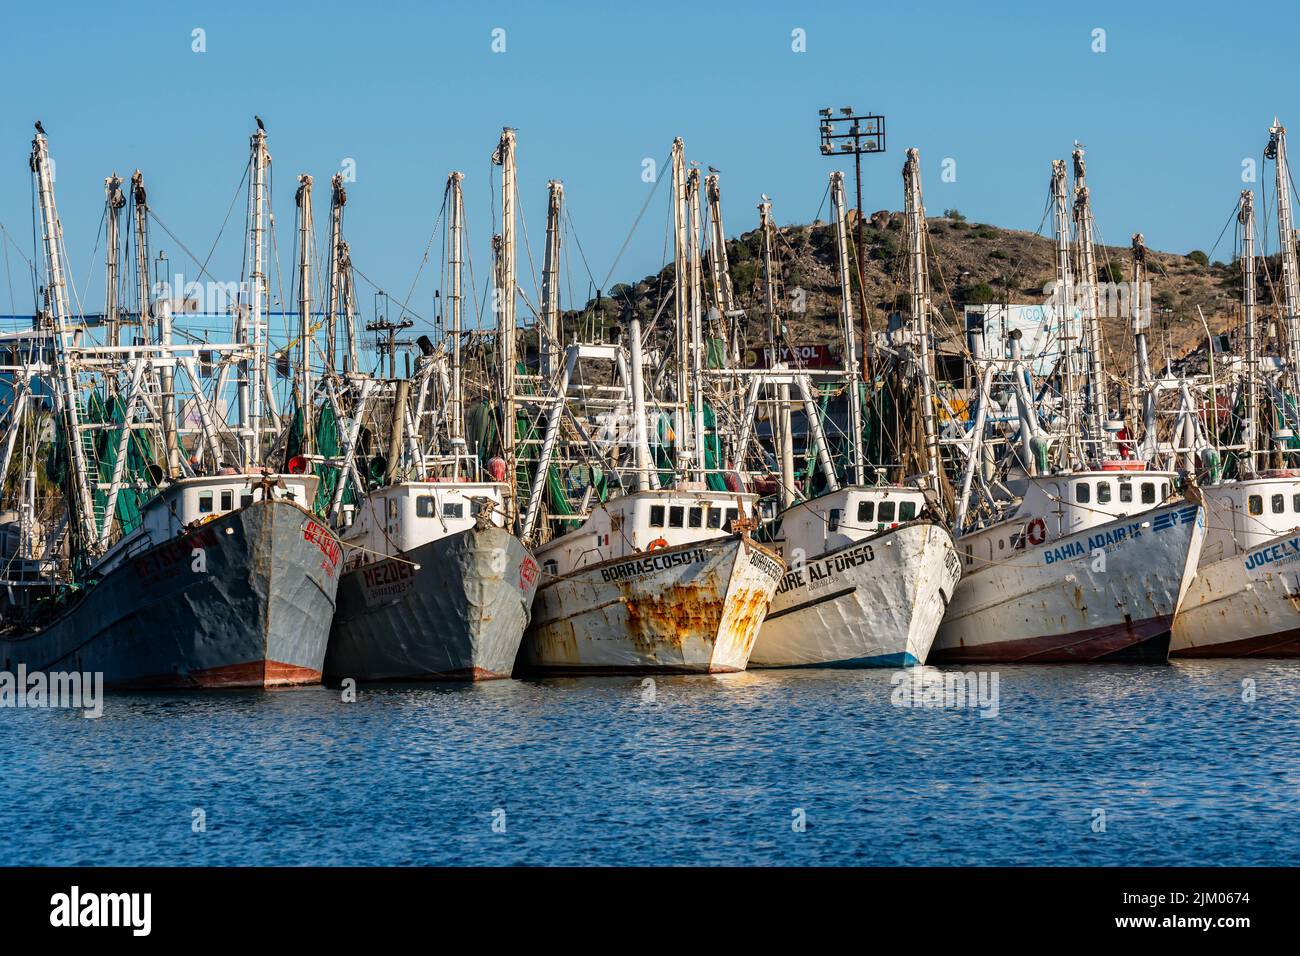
x: 971, y: 263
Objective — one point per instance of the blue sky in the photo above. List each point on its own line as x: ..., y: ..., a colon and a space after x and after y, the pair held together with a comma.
x: 1182, y: 94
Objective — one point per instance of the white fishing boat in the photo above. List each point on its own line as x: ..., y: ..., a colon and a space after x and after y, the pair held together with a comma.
x: 653, y: 581
x: 1245, y: 601
x: 871, y: 573
x: 1073, y: 549
x: 1092, y: 566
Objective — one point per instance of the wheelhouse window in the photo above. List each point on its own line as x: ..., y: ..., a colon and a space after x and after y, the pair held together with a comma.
x: 906, y: 510
x: 1148, y: 493
x: 1103, y: 492
x: 227, y: 499
x: 695, y: 517
x: 1295, y: 502
x: 866, y: 511
x: 714, y: 517
x: 833, y: 520
x: 425, y: 507
x: 656, y: 516
x: 205, y: 502
x: 732, y: 515
x: 886, y: 512
x: 1125, y: 492
x: 1279, y: 504
x: 453, y: 509
x: 676, y: 516
x: 1255, y: 504
x: 1083, y: 492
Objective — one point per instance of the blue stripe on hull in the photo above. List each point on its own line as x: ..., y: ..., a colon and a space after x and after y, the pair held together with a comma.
x: 901, y: 659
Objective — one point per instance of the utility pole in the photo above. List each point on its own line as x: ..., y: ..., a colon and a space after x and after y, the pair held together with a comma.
x: 856, y: 134
x: 391, y: 342
x: 847, y: 323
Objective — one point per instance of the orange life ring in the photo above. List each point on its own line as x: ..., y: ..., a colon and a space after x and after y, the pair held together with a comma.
x: 1037, y: 531
x: 657, y: 543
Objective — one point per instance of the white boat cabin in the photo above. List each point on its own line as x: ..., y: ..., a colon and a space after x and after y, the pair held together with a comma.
x: 1055, y: 506
x: 189, y: 501
x: 401, y: 517
x: 1245, y: 514
x: 645, y: 521
x: 841, y: 518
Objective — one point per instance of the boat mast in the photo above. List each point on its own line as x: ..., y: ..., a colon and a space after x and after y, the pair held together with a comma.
x: 114, y: 201
x: 849, y: 344
x: 696, y: 329
x: 306, y: 233
x: 781, y: 437
x: 140, y: 211
x: 919, y: 276
x: 1140, y: 319
x: 338, y: 199
x: 1096, y: 407
x: 680, y: 303
x: 505, y: 293
x: 1065, y: 303
x: 456, y: 258
x: 1290, y: 280
x: 57, y: 294
x: 719, y: 269
x: 550, y: 345
x: 1246, y: 216
x: 253, y: 375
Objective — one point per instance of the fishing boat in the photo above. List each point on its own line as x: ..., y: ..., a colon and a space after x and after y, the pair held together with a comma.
x: 1073, y: 549
x: 653, y: 581
x: 1091, y: 566
x: 436, y: 586
x: 879, y: 573
x: 1245, y: 601
x: 872, y: 566
x: 163, y: 571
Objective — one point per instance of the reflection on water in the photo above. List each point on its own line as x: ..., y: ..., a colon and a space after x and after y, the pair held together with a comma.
x: 1191, y: 763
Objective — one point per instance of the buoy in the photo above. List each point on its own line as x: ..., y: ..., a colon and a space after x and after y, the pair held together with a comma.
x: 657, y: 543
x: 1037, y: 531
x: 496, y: 467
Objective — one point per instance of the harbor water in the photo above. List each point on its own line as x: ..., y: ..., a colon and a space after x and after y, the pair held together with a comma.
x: 1191, y: 763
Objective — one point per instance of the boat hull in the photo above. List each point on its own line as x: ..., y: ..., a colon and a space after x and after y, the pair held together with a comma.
x: 244, y: 600
x: 1247, y: 605
x: 695, y: 608
x: 876, y: 603
x: 451, y: 609
x: 1061, y: 603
